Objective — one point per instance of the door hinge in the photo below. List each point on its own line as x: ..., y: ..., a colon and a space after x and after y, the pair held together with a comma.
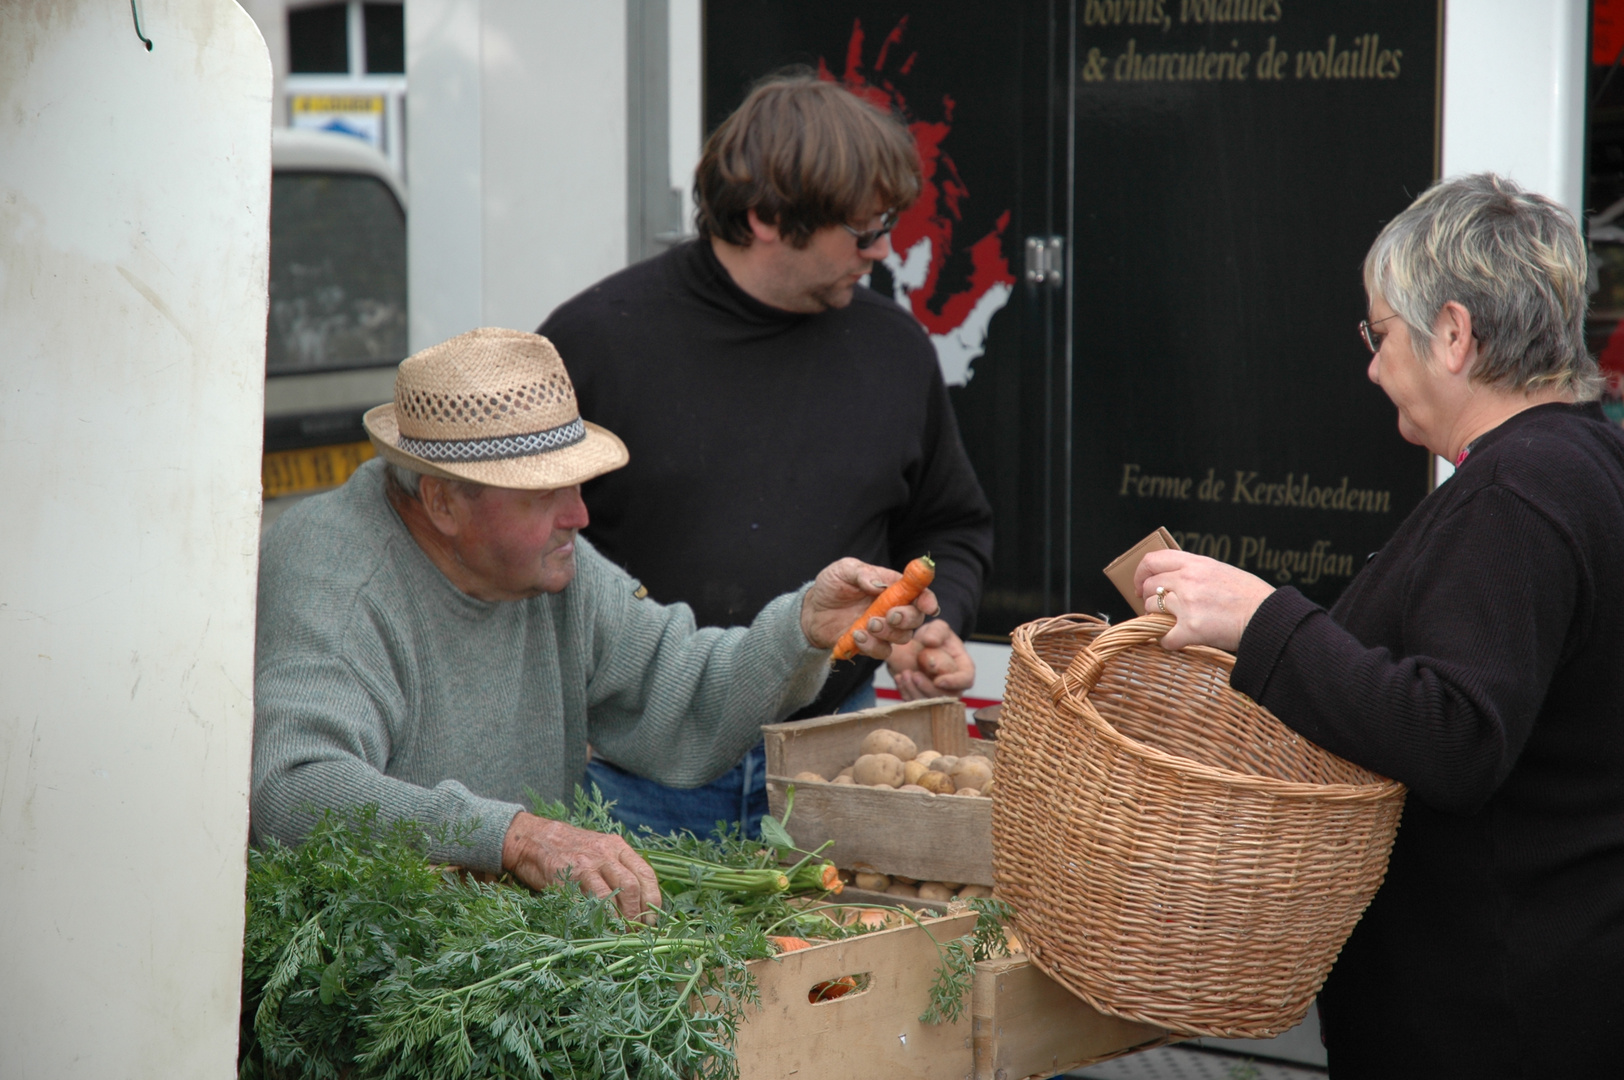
x: 1045, y: 260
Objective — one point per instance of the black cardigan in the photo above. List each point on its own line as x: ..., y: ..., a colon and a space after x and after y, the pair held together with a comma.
x: 1479, y: 659
x: 765, y: 444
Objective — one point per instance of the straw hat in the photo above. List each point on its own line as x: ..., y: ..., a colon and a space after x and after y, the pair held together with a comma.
x: 493, y: 406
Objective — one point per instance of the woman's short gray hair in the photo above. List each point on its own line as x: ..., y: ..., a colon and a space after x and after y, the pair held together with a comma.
x: 1513, y: 259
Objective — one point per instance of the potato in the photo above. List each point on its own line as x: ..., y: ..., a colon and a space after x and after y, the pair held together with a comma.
x: 969, y: 792
x: 847, y: 771
x: 899, y: 889
x: 809, y: 776
x: 937, y: 783
x: 843, y: 778
x: 878, y: 769
x: 971, y: 772
x: 925, y: 757
x: 935, y: 890
x: 978, y: 756
x: 886, y: 741
x: 944, y: 764
x: 912, y: 771
x: 873, y: 882
x: 970, y: 892
x: 905, y: 880
x: 988, y: 789
x: 916, y: 789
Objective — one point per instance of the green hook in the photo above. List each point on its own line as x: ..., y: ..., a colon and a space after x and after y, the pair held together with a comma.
x: 136, y: 15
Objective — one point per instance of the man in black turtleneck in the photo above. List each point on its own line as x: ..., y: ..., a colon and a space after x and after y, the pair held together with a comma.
x: 778, y: 414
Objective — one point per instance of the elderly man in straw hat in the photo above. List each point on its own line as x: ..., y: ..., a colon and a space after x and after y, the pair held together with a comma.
x: 435, y: 637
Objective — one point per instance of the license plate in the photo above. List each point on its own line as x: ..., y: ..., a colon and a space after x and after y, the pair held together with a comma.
x: 311, y: 468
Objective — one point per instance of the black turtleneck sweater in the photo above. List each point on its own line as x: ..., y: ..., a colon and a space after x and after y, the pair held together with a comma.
x: 766, y: 444
x: 1479, y: 659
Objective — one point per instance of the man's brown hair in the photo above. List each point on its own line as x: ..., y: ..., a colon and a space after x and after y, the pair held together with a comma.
x: 804, y: 154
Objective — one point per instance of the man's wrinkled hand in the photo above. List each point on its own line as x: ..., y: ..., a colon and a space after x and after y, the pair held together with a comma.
x: 841, y: 594
x: 934, y: 664
x: 539, y: 852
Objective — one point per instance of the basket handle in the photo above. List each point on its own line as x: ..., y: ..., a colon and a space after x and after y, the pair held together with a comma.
x: 1083, y: 673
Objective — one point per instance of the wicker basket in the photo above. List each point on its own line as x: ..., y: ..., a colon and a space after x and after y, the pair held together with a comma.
x: 1175, y: 855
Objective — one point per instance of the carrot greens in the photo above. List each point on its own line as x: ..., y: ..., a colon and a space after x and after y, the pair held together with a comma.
x: 362, y: 961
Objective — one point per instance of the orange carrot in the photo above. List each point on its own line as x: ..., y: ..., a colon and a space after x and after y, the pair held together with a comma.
x: 916, y: 578
x: 834, y: 988
x: 873, y: 919
x: 789, y: 944
x: 831, y: 879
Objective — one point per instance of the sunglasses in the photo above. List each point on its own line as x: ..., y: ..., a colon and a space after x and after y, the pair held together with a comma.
x: 867, y: 238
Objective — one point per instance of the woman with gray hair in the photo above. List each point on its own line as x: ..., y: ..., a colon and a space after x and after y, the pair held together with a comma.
x: 1478, y: 658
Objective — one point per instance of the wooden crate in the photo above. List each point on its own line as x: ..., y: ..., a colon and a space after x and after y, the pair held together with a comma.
x: 1021, y: 1024
x: 874, y: 1032
x: 1024, y: 1024
x: 928, y: 837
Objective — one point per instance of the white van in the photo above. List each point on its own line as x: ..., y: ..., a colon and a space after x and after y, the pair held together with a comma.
x: 337, y: 320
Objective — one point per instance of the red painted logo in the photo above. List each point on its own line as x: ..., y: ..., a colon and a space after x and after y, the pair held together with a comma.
x: 922, y: 242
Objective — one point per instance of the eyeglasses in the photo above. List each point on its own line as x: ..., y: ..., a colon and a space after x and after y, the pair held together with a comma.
x: 867, y: 238
x: 1373, y: 340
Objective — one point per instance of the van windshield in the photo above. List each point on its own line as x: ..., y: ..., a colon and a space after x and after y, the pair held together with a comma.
x: 338, y: 273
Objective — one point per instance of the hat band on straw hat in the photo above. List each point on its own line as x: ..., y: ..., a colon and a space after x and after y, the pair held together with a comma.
x: 496, y: 449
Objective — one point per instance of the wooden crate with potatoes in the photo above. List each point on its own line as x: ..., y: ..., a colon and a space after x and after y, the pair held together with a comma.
x: 886, y: 837
x: 902, y: 790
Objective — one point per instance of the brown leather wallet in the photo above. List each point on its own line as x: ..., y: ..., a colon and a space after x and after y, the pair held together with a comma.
x: 1124, y: 566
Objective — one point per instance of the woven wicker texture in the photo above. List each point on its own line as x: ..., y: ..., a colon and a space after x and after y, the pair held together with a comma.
x: 498, y: 407
x: 1175, y: 855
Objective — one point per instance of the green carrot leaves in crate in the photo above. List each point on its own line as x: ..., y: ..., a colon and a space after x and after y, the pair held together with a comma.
x: 361, y: 960
x: 956, y: 976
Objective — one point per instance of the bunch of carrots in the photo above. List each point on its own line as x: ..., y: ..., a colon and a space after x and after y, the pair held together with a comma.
x: 676, y: 870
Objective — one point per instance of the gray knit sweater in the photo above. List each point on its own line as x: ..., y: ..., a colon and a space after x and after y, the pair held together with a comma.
x: 378, y: 681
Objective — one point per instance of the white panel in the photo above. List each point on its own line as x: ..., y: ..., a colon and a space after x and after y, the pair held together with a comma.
x: 992, y: 668
x: 687, y: 99
x: 554, y: 153
x: 444, y: 161
x: 134, y: 208
x: 1514, y: 84
x: 516, y: 149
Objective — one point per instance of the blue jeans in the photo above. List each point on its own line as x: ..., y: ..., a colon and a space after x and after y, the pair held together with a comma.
x: 738, y: 795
